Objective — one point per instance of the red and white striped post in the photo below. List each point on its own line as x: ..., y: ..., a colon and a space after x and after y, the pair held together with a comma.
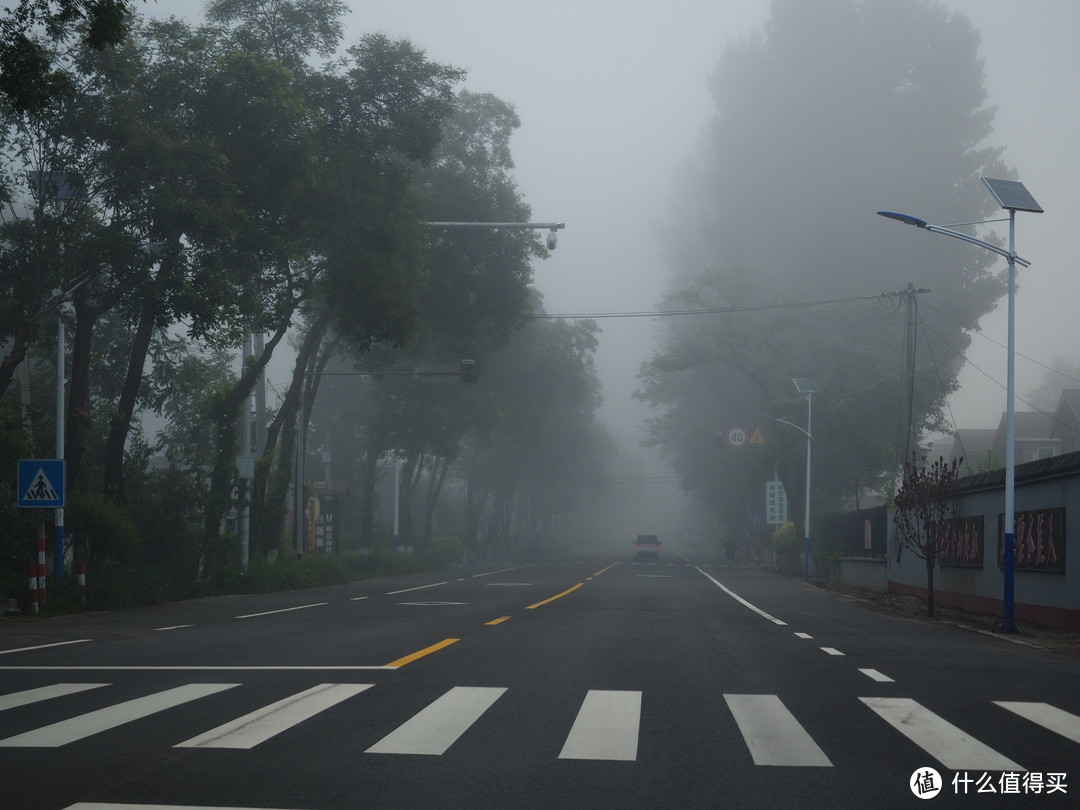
x: 41, y: 563
x: 31, y: 572
x: 80, y: 577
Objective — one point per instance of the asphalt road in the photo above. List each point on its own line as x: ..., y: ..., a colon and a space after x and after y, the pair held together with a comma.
x: 596, y: 682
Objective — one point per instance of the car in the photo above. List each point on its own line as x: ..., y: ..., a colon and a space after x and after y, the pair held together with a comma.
x: 647, y: 546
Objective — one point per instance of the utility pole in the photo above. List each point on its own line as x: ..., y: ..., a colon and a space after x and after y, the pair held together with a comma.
x: 911, y: 303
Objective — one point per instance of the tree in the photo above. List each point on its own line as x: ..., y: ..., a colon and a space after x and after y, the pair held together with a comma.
x: 476, y: 289
x: 28, y: 77
x: 777, y: 213
x: 1063, y: 375
x: 923, y: 507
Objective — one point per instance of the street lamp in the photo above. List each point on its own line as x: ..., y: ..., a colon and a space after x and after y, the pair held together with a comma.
x: 808, y: 387
x: 1012, y: 196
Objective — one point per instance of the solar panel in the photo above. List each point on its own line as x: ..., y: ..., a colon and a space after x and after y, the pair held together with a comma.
x: 805, y: 386
x: 57, y: 186
x: 1012, y: 194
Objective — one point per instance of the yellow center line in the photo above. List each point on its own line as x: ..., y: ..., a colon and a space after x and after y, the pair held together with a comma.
x: 556, y: 596
x: 446, y: 642
x: 602, y: 570
x: 499, y: 620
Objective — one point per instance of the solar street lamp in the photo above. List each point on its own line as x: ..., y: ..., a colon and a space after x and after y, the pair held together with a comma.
x: 809, y: 388
x: 1013, y: 196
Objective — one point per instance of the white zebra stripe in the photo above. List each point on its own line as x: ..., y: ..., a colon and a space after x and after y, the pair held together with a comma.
x: 85, y: 725
x: 1057, y: 720
x: 939, y: 738
x: 437, y: 727
x: 606, y: 727
x: 772, y: 733
x: 16, y: 699
x: 260, y: 725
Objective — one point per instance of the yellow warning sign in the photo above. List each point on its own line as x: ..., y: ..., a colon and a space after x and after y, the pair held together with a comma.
x: 757, y: 438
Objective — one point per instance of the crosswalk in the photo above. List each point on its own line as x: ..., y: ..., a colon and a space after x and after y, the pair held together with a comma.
x: 605, y: 728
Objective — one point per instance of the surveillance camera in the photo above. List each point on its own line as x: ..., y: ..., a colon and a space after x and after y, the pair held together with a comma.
x: 552, y: 239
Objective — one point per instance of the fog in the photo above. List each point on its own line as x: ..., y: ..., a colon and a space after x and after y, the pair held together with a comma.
x: 613, y: 101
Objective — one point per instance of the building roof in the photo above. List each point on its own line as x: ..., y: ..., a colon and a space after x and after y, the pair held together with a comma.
x: 973, y: 445
x: 1067, y: 416
x: 1030, y: 427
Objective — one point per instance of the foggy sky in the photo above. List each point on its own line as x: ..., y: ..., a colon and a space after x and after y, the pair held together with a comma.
x: 612, y: 98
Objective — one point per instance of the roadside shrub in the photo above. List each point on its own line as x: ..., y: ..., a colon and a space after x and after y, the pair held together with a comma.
x: 447, y: 547
x: 104, y: 533
x: 786, y: 546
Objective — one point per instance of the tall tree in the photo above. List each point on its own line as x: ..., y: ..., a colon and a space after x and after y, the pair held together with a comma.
x: 838, y: 109
x: 477, y: 288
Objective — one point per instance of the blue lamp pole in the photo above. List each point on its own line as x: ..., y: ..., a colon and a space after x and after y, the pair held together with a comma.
x: 1012, y: 196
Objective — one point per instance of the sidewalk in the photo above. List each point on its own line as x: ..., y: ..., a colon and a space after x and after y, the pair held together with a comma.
x: 1050, y: 639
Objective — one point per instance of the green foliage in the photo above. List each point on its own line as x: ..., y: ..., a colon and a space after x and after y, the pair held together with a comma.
x: 447, y: 547
x: 289, y: 31
x: 988, y: 462
x: 104, y: 534
x: 784, y: 540
x: 28, y: 78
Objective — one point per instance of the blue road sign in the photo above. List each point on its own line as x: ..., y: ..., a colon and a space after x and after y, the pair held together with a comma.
x: 41, y: 483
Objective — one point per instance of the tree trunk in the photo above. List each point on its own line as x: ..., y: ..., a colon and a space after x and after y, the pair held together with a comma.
x: 930, y: 586
x: 220, y: 492
x: 367, y: 506
x: 272, y: 509
x: 12, y: 359
x: 78, y: 406
x: 436, y: 478
x: 410, y: 478
x: 120, y: 422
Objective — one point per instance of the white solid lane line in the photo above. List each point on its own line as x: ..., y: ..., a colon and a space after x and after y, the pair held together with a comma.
x: 260, y: 725
x: 417, y: 588
x: 282, y: 610
x: 606, y: 727
x: 435, y: 728
x: 939, y: 738
x: 46, y: 646
x: 739, y: 599
x: 772, y: 733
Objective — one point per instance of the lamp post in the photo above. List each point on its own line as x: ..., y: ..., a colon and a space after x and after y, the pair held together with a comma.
x: 809, y: 388
x: 1012, y: 196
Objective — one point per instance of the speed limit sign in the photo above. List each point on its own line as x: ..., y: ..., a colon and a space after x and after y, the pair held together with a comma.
x: 737, y: 437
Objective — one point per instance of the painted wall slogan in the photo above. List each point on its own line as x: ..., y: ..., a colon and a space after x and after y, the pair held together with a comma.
x: 1039, y: 542
x: 963, y: 543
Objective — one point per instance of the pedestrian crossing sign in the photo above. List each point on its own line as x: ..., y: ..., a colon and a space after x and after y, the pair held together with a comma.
x: 41, y: 483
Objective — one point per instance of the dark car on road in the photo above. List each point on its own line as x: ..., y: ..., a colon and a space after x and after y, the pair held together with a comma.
x: 647, y: 546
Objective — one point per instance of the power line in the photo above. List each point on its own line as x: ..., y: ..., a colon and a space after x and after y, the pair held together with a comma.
x: 711, y: 311
x: 989, y: 376
x: 984, y: 336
